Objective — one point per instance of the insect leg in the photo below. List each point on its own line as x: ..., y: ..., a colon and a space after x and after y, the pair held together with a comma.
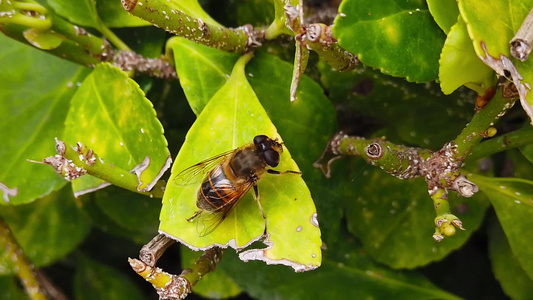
x: 194, y: 216
x: 256, y: 193
x: 271, y: 171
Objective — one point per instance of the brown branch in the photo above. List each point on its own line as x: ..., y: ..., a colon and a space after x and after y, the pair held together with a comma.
x: 170, y: 286
x: 154, y: 67
x: 151, y: 252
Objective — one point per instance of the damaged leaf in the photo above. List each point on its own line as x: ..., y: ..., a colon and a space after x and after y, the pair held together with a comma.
x: 491, y: 34
x: 232, y: 118
x: 270, y: 78
x: 111, y: 116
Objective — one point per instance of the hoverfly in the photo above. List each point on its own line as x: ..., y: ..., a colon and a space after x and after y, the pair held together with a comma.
x: 227, y: 177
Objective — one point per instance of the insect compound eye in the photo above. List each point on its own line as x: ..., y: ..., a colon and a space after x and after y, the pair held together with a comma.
x: 259, y: 139
x: 271, y: 157
x: 262, y: 143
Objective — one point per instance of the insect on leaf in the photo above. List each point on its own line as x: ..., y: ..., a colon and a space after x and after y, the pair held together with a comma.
x: 232, y: 118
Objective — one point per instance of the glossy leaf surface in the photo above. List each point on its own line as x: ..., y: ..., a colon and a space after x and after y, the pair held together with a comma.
x: 46, y: 229
x: 111, y: 116
x: 32, y: 111
x: 399, y: 38
x: 506, y: 267
x: 395, y: 223
x: 94, y: 280
x: 444, y: 12
x: 512, y: 199
x: 81, y: 12
x: 202, y: 70
x: 231, y: 119
x: 459, y: 63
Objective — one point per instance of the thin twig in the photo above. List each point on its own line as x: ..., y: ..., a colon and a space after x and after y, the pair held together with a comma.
x: 23, y: 267
x: 151, y: 252
x: 170, y: 286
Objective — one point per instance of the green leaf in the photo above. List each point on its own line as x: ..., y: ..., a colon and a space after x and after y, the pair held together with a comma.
x: 279, y: 26
x: 111, y: 116
x: 399, y: 38
x: 231, y: 119
x: 202, y: 70
x: 512, y: 199
x: 114, y: 15
x: 10, y: 290
x: 527, y: 151
x: 395, y: 223
x: 497, y: 30
x: 312, y: 115
x: 47, y: 229
x: 444, y: 12
x: 459, y: 63
x: 94, y: 280
x: 259, y: 13
x: 346, y: 273
x: 523, y: 166
x: 506, y: 268
x: 214, y: 285
x: 45, y: 40
x: 81, y: 12
x: 32, y: 112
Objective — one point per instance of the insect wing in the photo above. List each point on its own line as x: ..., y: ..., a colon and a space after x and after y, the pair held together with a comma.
x: 195, y: 173
x: 208, y: 221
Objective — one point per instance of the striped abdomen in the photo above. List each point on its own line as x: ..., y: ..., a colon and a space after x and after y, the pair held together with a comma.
x: 217, y: 189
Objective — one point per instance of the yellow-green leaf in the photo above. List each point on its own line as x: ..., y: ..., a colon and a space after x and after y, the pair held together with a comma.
x: 232, y: 118
x: 460, y: 65
x: 111, y: 116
